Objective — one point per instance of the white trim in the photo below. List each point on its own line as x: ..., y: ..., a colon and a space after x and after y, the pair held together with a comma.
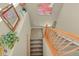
x: 0, y: 19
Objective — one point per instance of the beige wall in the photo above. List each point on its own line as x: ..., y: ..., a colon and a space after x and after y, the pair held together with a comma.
x: 23, y: 31
x: 3, y: 28
x: 2, y: 5
x: 2, y: 24
x: 69, y: 18
x: 38, y: 20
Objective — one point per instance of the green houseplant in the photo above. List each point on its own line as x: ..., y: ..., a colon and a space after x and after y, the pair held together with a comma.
x: 9, y: 39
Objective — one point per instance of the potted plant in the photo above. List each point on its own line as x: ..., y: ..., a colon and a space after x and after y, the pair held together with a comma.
x: 8, y: 40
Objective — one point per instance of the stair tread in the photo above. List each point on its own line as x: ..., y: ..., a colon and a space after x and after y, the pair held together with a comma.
x: 36, y: 39
x: 36, y: 43
x: 36, y: 51
x: 36, y: 46
x: 35, y: 54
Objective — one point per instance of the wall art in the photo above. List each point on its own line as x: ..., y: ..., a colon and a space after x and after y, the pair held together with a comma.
x: 10, y: 16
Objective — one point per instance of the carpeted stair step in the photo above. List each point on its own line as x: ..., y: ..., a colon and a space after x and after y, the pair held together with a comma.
x: 36, y: 47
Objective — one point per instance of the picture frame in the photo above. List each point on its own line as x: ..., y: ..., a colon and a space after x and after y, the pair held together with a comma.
x: 10, y: 16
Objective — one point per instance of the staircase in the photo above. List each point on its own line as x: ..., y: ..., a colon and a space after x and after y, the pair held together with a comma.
x: 36, y: 43
x: 36, y: 47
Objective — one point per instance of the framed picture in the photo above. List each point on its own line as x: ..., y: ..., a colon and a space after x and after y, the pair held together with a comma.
x: 10, y: 16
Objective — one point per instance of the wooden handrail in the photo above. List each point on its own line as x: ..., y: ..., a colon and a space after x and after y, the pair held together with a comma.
x: 51, y: 47
x: 68, y: 34
x: 50, y: 44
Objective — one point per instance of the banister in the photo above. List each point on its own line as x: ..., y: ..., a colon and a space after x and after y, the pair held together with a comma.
x: 51, y: 46
x: 48, y: 38
x: 50, y: 43
x: 68, y: 34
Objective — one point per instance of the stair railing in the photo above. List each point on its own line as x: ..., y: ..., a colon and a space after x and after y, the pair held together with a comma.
x: 61, y: 43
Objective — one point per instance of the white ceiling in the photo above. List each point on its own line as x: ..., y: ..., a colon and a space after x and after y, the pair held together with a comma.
x: 38, y: 20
